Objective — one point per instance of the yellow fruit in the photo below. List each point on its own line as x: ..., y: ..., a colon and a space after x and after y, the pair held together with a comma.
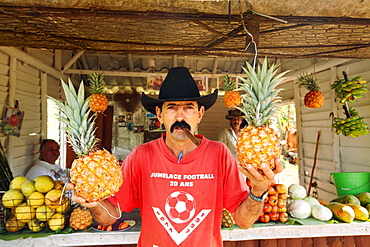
x: 64, y: 207
x: 36, y: 199
x: 227, y: 218
x: 96, y: 176
x: 341, y: 211
x: 44, y: 213
x: 80, y: 218
x: 36, y: 225
x: 232, y: 99
x: 24, y: 212
x: 258, y: 144
x: 44, y: 184
x: 95, y: 173
x: 58, y: 185
x: 57, y: 221
x: 13, y: 225
x: 12, y: 198
x: 17, y: 182
x: 28, y: 187
x: 314, y: 99
x: 53, y: 198
x: 361, y: 213
x: 98, y: 102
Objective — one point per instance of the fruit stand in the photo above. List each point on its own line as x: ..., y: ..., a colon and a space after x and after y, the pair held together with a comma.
x: 262, y: 234
x: 300, y: 231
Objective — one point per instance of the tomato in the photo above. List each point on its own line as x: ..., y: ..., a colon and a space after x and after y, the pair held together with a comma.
x: 272, y: 191
x: 264, y: 218
x: 273, y: 200
x: 283, y: 217
x: 267, y: 208
x: 283, y: 209
x: 283, y: 196
x: 280, y: 188
x: 281, y: 203
x: 274, y: 216
x: 275, y: 208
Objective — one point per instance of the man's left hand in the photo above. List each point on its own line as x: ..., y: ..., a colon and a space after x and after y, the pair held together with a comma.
x: 261, y: 179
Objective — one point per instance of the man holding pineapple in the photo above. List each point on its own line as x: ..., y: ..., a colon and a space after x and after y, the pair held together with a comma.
x: 182, y: 182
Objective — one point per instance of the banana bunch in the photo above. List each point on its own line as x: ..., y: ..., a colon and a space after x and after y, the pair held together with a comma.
x: 353, y: 126
x: 349, y: 90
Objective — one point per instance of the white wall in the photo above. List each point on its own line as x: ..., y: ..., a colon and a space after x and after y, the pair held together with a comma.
x: 336, y: 153
x: 27, y: 79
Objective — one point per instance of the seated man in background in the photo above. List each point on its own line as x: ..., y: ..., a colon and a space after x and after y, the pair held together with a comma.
x: 229, y: 136
x: 49, y: 153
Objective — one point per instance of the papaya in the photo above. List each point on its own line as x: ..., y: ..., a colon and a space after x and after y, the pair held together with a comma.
x: 364, y: 198
x: 347, y: 199
x: 341, y: 211
x: 361, y: 213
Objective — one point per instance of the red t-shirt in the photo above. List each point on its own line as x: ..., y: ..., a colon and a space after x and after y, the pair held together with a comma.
x: 180, y: 203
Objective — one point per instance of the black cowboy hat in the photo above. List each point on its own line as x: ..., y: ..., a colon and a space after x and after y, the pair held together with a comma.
x: 234, y: 113
x: 179, y: 85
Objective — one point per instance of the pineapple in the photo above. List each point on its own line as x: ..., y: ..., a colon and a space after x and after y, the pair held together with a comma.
x: 258, y: 143
x: 227, y: 219
x: 314, y: 98
x: 231, y: 97
x: 95, y: 173
x: 98, y: 102
x: 80, y: 218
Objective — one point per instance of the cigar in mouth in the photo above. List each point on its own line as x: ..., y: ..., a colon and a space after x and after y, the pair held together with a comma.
x: 190, y: 136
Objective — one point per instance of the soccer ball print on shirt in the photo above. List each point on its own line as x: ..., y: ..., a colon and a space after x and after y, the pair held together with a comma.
x: 180, y: 207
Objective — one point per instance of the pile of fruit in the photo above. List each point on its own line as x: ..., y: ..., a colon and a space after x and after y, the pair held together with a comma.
x: 344, y: 208
x: 37, y: 203
x: 350, y: 89
x: 347, y: 91
x: 274, y: 208
x: 351, y: 207
x: 353, y: 126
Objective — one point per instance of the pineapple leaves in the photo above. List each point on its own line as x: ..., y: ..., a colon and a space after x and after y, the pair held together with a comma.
x: 259, y: 103
x: 81, y: 94
x: 80, y: 128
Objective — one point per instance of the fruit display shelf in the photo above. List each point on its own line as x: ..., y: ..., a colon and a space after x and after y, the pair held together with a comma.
x: 293, y: 230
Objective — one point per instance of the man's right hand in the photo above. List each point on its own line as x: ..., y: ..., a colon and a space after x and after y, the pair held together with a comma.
x: 80, y: 200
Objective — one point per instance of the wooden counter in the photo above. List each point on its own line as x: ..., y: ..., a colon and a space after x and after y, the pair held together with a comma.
x: 331, y: 235
x: 356, y: 234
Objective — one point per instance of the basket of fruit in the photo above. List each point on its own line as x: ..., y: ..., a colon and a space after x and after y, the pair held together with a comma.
x: 35, y: 204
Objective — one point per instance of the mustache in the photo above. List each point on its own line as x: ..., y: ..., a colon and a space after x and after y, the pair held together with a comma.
x: 178, y: 124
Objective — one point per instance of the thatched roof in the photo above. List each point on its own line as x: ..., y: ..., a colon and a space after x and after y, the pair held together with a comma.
x: 281, y: 29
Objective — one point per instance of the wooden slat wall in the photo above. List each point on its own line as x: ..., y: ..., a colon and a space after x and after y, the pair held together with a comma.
x: 214, y: 120
x: 28, y: 94
x: 336, y: 153
x: 24, y: 149
x: 4, y: 87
